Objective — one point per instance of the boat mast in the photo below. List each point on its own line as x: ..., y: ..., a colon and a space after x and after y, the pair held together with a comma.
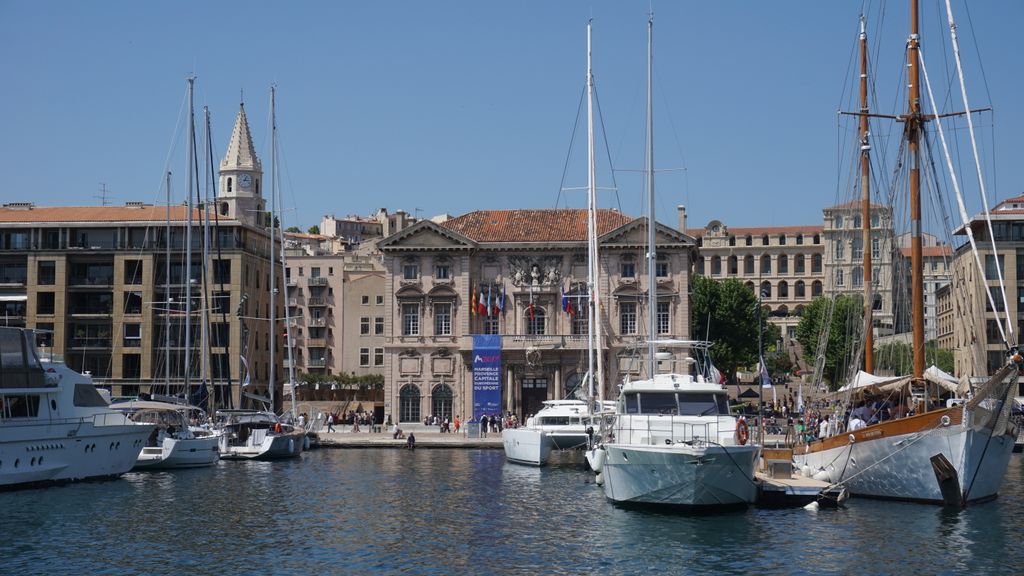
x: 652, y: 286
x: 865, y: 186
x: 912, y: 133
x: 284, y: 283
x: 273, y: 278
x: 190, y: 158
x: 167, y: 294
x: 592, y: 286
x: 204, y: 372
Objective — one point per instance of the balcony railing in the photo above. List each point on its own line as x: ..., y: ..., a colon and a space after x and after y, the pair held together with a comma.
x: 317, y: 322
x: 13, y: 279
x: 318, y: 281
x: 87, y: 342
x: 316, y: 342
x: 316, y: 302
x: 317, y: 363
x: 91, y: 280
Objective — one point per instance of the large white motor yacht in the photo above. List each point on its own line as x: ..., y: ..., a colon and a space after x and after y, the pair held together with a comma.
x: 559, y: 425
x: 675, y: 443
x: 173, y: 443
x: 54, y: 425
x: 253, y: 435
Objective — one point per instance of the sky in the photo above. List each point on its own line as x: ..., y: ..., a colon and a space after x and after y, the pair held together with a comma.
x: 448, y: 107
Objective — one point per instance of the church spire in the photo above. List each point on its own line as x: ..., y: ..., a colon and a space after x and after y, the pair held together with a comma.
x: 241, y: 155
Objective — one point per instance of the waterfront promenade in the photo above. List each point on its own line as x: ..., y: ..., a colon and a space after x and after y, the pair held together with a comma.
x: 426, y: 437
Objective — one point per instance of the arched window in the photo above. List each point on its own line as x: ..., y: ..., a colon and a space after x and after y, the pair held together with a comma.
x: 798, y: 264
x: 858, y: 277
x: 783, y: 289
x: 441, y: 402
x: 257, y: 186
x: 857, y: 246
x: 409, y: 403
x: 798, y: 290
x: 229, y: 183
x: 748, y: 264
x: 782, y: 263
x: 766, y: 264
x: 817, y: 239
x: 699, y: 266
x: 816, y: 289
x: 223, y: 208
x: 816, y: 264
x: 764, y: 240
x: 838, y: 221
x: 535, y: 320
x: 799, y: 310
x: 840, y: 277
x: 766, y: 289
x: 782, y: 239
x: 749, y: 240
x: 716, y: 265
x: 734, y: 266
x: 874, y: 220
x: 799, y: 239
x: 732, y: 240
x: 750, y: 285
x: 840, y: 250
x: 856, y: 221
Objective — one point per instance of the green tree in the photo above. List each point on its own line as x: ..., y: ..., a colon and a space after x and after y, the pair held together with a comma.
x: 726, y: 313
x: 898, y: 357
x: 847, y: 317
x: 940, y: 357
x: 314, y: 229
x: 293, y: 229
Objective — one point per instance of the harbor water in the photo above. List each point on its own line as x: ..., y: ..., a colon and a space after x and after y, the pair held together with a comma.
x: 468, y: 512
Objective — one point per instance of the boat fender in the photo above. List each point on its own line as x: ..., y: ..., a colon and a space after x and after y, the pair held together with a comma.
x: 305, y: 442
x: 806, y: 471
x: 742, y: 432
x: 852, y: 438
x: 944, y: 420
x: 822, y: 475
x: 813, y: 506
x: 291, y: 445
x: 599, y: 479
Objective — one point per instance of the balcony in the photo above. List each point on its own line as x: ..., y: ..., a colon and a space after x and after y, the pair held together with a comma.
x: 14, y: 279
x: 318, y: 281
x: 91, y: 280
x: 316, y: 302
x: 317, y: 322
x: 317, y: 363
x: 290, y: 363
x: 293, y: 281
x: 294, y: 301
x: 294, y: 321
x: 90, y: 342
x: 316, y: 342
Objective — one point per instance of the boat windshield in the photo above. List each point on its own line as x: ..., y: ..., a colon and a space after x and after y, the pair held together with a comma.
x: 676, y: 403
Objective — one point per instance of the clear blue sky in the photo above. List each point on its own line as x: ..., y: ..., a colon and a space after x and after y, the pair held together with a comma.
x: 455, y: 106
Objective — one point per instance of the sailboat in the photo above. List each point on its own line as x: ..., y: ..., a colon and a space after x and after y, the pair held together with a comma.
x: 569, y: 424
x: 261, y: 434
x: 674, y: 442
x: 952, y: 455
x: 176, y: 442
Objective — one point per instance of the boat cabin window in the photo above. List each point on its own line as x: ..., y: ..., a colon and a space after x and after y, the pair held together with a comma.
x: 702, y: 404
x: 671, y: 403
x: 556, y: 421
x: 87, y: 396
x: 19, y: 364
x: 19, y: 406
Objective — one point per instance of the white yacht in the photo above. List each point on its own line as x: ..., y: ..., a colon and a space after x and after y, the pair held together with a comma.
x: 559, y: 425
x: 173, y: 443
x: 252, y: 435
x: 675, y: 443
x: 54, y: 425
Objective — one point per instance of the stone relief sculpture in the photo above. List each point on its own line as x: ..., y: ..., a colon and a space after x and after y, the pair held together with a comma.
x: 542, y: 271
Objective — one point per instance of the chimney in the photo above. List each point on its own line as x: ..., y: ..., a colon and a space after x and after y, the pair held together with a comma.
x: 682, y: 218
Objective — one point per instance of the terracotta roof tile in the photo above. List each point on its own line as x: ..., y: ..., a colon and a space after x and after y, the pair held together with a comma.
x: 551, y: 225
x: 141, y: 213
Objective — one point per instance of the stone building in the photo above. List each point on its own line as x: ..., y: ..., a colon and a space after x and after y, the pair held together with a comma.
x: 516, y: 265
x: 109, y: 286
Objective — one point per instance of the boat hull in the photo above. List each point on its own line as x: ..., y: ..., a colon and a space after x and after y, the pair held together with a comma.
x: 680, y: 475
x: 892, y: 460
x: 180, y: 453
x: 263, y: 446
x: 69, y: 451
x: 526, y: 446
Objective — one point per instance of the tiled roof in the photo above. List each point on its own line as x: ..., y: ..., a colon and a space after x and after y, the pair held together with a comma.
x: 552, y: 225
x: 141, y: 213
x: 931, y: 251
x: 240, y: 154
x: 305, y: 236
x: 770, y: 230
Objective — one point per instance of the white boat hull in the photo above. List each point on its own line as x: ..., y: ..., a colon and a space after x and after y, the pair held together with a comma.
x: 680, y: 474
x: 526, y: 446
x: 262, y: 445
x: 103, y: 446
x: 180, y: 453
x: 899, y: 466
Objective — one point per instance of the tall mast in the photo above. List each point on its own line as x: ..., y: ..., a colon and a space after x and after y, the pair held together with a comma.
x: 912, y: 131
x: 865, y: 187
x: 652, y: 286
x: 204, y: 318
x: 273, y: 277
x: 167, y: 294
x: 280, y: 233
x: 591, y: 224
x: 190, y: 158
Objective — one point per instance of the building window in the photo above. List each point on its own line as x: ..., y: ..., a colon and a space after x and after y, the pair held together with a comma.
x: 409, y: 404
x: 380, y: 300
x: 378, y: 326
x: 314, y: 272
x: 748, y: 264
x: 378, y: 356
x: 857, y: 248
x: 364, y: 326
x: 661, y: 268
x: 799, y: 289
x: 364, y: 300
x: 364, y: 357
x: 663, y: 317
x: 799, y: 239
x: 491, y: 325
x: 580, y: 317
x: 783, y: 264
x: 816, y: 289
x: 627, y: 318
x: 856, y: 221
x: 133, y: 302
x: 858, y: 277
x: 131, y: 366
x: 410, y: 319
x: 766, y: 264
x: 716, y: 265
x: 783, y: 290
x: 991, y: 272
x: 840, y: 279
x: 840, y: 250
x: 133, y: 271
x: 749, y: 240
x: 838, y: 221
x: 798, y: 264
x: 766, y: 289
x: 410, y: 271
x: 443, y: 272
x: 733, y: 266
x: 47, y: 273
x: 628, y: 268
x: 45, y: 303
x: 535, y: 325
x: 782, y: 239
x: 443, y: 319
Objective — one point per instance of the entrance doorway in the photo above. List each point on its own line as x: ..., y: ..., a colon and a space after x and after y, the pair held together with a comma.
x: 535, y: 391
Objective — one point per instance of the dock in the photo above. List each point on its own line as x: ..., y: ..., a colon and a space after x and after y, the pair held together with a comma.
x: 425, y: 439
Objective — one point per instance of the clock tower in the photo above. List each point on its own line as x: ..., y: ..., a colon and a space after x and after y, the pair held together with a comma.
x: 240, y: 196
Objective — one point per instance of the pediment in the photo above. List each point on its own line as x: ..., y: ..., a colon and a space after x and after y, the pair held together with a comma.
x: 442, y: 291
x: 634, y: 233
x: 425, y: 235
x: 409, y: 292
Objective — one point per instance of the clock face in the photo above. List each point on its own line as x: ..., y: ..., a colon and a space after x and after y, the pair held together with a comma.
x: 245, y: 181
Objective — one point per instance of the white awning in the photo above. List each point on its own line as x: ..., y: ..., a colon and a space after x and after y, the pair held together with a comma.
x: 13, y: 298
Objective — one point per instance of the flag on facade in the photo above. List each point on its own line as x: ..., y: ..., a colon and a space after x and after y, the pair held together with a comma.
x: 481, y: 306
x: 472, y: 302
x: 488, y: 301
x: 501, y: 307
x: 565, y: 299
x: 766, y: 379
x: 497, y: 307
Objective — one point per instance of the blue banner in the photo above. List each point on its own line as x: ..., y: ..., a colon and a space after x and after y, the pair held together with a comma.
x: 486, y: 375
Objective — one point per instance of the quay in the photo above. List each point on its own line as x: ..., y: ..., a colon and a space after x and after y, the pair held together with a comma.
x: 426, y: 437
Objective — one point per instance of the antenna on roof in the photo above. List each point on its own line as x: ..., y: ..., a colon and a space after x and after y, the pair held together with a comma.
x: 102, y: 196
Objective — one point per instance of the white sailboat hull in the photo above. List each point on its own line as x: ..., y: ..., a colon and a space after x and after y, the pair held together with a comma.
x: 526, y: 446
x: 262, y: 445
x: 180, y: 453
x: 680, y: 474
x: 899, y: 466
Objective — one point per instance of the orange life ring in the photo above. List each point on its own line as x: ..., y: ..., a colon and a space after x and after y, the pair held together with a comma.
x: 742, y: 432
